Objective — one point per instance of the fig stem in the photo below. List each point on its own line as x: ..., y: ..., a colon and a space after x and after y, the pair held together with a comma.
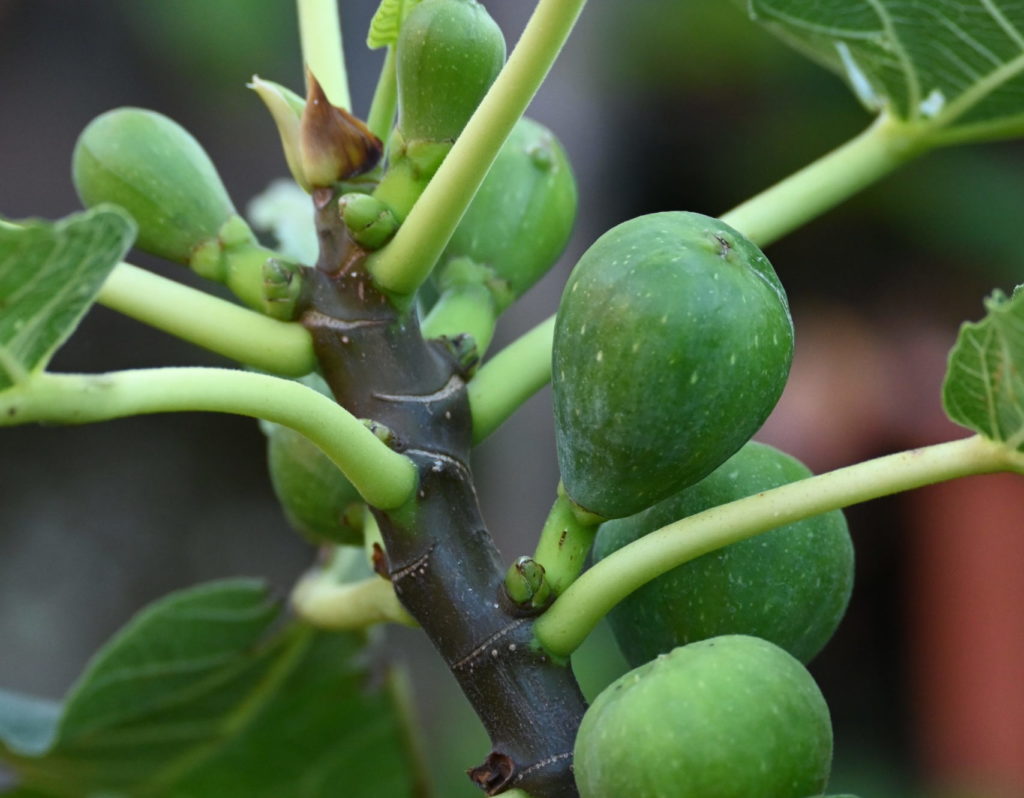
x: 824, y: 183
x: 563, y: 627
x: 322, y: 51
x: 511, y: 377
x: 382, y: 476
x: 280, y: 347
x: 385, y: 99
x: 402, y: 266
x: 564, y: 542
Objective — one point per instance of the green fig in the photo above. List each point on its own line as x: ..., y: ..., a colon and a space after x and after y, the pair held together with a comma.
x: 729, y: 717
x: 790, y: 585
x: 521, y: 218
x: 672, y: 344
x: 447, y: 55
x: 317, y: 500
x: 154, y: 169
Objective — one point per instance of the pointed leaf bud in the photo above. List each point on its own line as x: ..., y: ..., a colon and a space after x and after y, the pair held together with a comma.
x: 286, y: 107
x: 333, y: 144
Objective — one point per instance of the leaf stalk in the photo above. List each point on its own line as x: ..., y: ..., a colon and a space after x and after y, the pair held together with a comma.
x: 563, y: 627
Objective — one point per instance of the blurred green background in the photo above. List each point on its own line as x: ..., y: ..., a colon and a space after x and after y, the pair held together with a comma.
x: 661, y: 105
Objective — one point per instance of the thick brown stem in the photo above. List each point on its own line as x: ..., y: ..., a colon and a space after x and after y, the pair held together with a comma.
x: 441, y: 559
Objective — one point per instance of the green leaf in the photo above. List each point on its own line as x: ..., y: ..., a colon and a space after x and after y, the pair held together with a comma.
x: 282, y: 209
x: 28, y: 725
x: 984, y: 387
x: 954, y: 66
x: 50, y: 273
x: 387, y: 21
x: 197, y: 697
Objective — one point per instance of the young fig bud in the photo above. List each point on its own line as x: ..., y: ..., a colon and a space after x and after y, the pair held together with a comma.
x: 154, y: 169
x: 370, y: 221
x: 323, y: 144
x: 333, y: 144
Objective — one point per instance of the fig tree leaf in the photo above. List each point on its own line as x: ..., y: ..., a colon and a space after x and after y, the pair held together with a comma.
x: 206, y: 694
x: 282, y: 209
x: 984, y: 387
x: 957, y: 66
x: 386, y: 22
x: 28, y: 725
x: 50, y: 273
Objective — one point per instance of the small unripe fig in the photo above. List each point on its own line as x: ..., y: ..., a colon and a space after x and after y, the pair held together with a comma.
x: 729, y: 717
x: 520, y: 219
x: 317, y: 500
x: 154, y: 169
x: 790, y: 585
x: 448, y: 54
x: 672, y: 344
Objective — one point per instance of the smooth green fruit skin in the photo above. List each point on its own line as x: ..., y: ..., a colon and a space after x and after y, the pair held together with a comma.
x: 672, y: 344
x: 521, y: 218
x: 315, y: 496
x: 154, y: 169
x: 448, y: 54
x: 730, y: 717
x: 790, y: 585
x: 313, y: 493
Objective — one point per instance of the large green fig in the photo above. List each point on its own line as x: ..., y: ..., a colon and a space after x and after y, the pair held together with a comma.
x: 154, y: 169
x: 521, y: 218
x: 448, y: 54
x: 730, y: 717
x: 672, y: 345
x: 790, y: 585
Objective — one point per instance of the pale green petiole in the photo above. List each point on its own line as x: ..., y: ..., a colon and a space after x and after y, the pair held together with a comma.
x: 767, y: 217
x: 210, y: 322
x: 385, y: 99
x: 563, y: 627
x: 509, y: 378
x: 320, y: 32
x: 405, y: 262
x: 385, y: 478
x: 823, y: 184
